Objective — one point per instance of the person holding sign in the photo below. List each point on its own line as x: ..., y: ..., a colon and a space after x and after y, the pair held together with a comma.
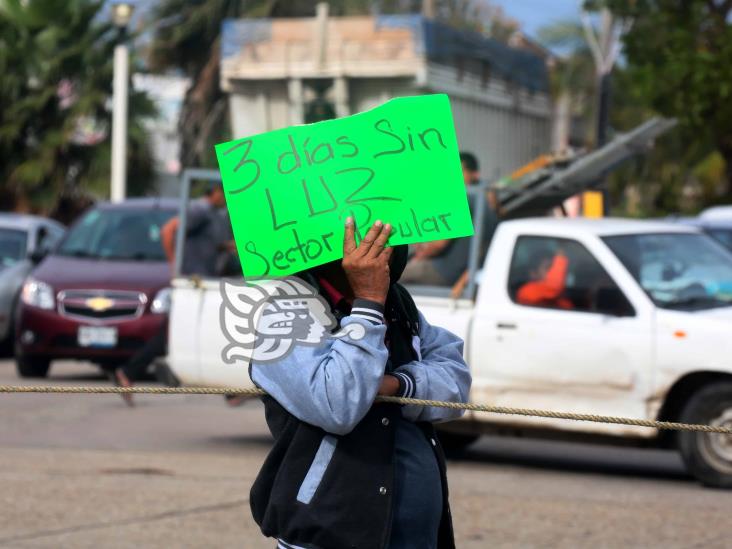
x: 345, y: 471
x: 286, y: 190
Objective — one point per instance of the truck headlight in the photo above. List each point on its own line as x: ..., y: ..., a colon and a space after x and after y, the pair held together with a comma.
x: 161, y: 303
x: 37, y: 294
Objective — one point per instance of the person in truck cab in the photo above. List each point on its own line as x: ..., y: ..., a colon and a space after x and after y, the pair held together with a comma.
x: 547, y: 281
x: 344, y: 471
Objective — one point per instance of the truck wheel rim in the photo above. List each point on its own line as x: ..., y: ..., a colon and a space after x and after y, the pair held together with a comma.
x: 717, y: 448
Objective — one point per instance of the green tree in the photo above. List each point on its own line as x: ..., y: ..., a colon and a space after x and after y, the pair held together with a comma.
x: 56, y: 66
x: 679, y: 54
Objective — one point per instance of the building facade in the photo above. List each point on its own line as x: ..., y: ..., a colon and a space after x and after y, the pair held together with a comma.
x: 280, y: 72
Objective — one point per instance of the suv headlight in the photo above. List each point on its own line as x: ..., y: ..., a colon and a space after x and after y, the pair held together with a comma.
x: 161, y: 303
x: 37, y: 294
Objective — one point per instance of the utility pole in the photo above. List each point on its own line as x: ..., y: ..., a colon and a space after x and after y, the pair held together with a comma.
x: 121, y: 14
x: 605, y: 47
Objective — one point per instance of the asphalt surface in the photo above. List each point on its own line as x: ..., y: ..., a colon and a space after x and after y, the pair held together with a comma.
x: 85, y: 471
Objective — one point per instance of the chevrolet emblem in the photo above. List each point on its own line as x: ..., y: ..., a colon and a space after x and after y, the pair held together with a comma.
x: 99, y: 304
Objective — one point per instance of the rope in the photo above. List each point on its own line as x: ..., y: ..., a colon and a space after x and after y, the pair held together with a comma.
x: 667, y: 425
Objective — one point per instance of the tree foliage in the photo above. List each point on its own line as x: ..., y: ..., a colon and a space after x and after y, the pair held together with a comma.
x: 679, y: 54
x: 56, y: 65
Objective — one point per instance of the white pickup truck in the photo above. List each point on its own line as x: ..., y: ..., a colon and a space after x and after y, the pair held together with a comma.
x: 636, y: 322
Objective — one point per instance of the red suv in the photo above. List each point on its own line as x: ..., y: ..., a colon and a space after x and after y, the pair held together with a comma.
x: 102, y: 294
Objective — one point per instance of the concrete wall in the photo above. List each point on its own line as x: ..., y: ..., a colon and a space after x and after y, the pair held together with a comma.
x: 505, y: 127
x: 259, y: 106
x: 367, y: 93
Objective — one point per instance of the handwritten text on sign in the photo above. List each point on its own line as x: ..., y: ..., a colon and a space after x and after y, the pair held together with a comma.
x: 289, y: 191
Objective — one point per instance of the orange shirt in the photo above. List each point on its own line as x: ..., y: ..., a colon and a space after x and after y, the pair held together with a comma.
x: 547, y: 292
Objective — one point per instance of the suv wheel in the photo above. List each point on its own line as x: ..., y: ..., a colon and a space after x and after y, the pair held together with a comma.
x: 708, y: 456
x: 31, y: 366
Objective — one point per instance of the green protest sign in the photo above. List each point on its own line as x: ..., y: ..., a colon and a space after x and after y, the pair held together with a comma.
x: 289, y: 191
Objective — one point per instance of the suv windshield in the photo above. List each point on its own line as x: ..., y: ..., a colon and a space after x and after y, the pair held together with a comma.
x: 721, y: 235
x: 12, y: 246
x: 678, y: 271
x: 123, y: 234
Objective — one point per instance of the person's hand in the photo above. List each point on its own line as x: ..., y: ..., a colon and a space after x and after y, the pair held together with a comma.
x: 389, y: 386
x: 430, y: 249
x: 420, y: 251
x: 367, y: 265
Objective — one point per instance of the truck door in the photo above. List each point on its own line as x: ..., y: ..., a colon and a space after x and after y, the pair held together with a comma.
x: 214, y: 371
x: 184, y: 329
x: 561, y: 334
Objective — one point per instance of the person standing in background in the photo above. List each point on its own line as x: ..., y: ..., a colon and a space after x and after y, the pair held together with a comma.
x: 208, y: 235
x: 207, y: 249
x: 442, y: 262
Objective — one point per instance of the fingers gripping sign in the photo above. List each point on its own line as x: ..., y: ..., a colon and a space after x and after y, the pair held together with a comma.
x: 349, y: 240
x: 367, y: 265
x: 379, y: 248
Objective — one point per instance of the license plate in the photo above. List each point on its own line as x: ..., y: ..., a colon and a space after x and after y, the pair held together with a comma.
x: 97, y: 336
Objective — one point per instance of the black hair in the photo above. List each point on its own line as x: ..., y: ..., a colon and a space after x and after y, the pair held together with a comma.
x: 538, y: 257
x: 212, y: 186
x: 469, y: 161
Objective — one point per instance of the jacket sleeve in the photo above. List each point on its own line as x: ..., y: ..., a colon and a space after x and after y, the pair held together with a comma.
x: 332, y: 385
x: 440, y: 374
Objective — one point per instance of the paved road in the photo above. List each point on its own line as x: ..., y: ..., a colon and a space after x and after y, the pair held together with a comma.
x: 84, y: 471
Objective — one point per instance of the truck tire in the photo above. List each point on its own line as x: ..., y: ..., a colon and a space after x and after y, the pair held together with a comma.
x: 708, y: 456
x: 31, y: 366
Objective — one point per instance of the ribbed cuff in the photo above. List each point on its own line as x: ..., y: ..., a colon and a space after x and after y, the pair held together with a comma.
x: 406, y: 384
x: 373, y: 311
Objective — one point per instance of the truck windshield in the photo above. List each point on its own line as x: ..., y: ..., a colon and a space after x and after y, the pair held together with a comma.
x: 12, y: 246
x: 117, y: 234
x: 678, y: 271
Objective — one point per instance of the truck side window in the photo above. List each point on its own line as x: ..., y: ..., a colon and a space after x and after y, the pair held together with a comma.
x: 560, y: 273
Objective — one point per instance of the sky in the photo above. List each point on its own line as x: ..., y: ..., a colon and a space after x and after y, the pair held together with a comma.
x: 533, y: 14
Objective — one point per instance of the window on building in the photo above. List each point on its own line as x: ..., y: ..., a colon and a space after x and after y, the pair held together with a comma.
x: 318, y: 104
x: 558, y: 273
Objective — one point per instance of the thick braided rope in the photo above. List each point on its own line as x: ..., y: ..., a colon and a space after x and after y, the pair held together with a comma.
x: 668, y: 425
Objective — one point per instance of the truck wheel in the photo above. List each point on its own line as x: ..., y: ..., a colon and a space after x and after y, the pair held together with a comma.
x: 455, y: 444
x: 708, y: 456
x: 31, y: 366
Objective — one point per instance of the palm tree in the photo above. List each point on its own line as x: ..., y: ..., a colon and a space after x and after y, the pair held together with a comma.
x: 186, y: 38
x: 56, y: 62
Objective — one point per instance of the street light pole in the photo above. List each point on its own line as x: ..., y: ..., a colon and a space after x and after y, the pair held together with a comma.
x: 121, y: 14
